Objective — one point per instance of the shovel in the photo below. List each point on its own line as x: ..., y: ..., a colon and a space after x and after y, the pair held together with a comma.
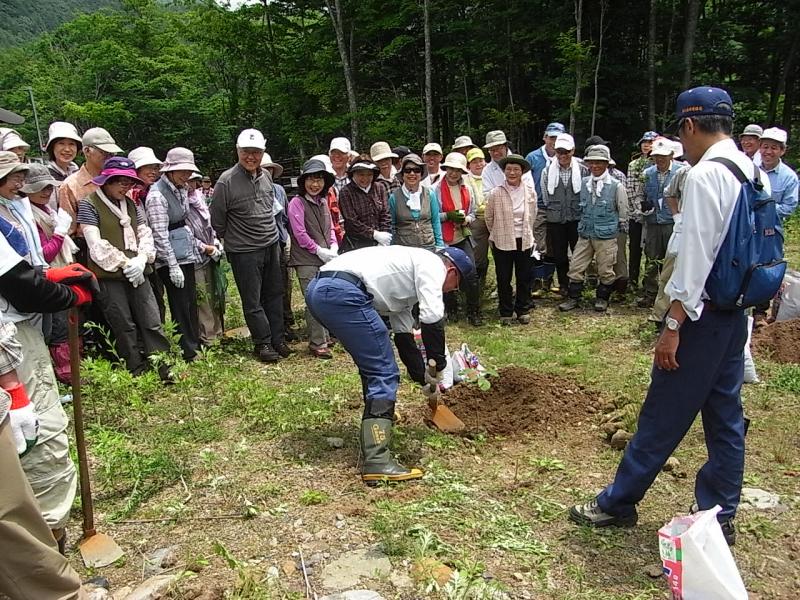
x: 97, y: 549
x: 442, y: 417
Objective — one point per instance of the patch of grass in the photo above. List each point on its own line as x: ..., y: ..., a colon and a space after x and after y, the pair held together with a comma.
x: 760, y: 527
x: 313, y: 497
x: 786, y: 378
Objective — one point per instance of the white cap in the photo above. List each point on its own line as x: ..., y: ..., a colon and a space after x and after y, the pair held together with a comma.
x: 342, y: 144
x: 677, y: 149
x: 326, y: 160
x: 251, y: 138
x: 662, y: 147
x: 143, y: 156
x: 432, y: 147
x: 565, y: 141
x: 776, y: 134
x: 61, y: 129
x: 13, y: 140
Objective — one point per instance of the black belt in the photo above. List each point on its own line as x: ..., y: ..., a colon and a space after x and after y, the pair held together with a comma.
x: 356, y: 281
x: 176, y: 225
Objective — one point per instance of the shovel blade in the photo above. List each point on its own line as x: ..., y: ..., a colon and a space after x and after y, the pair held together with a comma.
x: 445, y: 420
x: 99, y: 550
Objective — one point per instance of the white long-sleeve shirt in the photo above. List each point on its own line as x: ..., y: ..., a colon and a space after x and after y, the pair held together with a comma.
x: 709, y: 196
x: 493, y: 176
x: 398, y: 277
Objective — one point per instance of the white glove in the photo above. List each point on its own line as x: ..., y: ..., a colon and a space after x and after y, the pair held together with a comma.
x: 63, y: 222
x: 134, y: 270
x: 383, y: 238
x: 176, y: 276
x: 326, y: 254
x: 24, y: 420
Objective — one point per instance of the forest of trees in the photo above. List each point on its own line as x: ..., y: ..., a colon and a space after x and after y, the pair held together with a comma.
x: 192, y: 72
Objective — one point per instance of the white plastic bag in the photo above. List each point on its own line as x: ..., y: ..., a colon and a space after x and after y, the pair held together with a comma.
x: 697, y: 561
x: 788, y: 299
x: 750, y: 375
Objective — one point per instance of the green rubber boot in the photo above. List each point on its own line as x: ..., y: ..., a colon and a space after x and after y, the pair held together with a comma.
x: 379, y: 465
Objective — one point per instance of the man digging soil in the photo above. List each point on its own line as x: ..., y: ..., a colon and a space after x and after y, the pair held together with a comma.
x: 350, y: 294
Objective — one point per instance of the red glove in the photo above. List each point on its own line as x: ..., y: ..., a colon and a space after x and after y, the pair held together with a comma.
x: 79, y: 279
x: 74, y: 273
x: 84, y: 295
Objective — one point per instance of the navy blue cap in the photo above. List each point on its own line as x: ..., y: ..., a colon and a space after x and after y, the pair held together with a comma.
x: 648, y: 136
x: 554, y: 129
x: 460, y: 259
x: 703, y: 100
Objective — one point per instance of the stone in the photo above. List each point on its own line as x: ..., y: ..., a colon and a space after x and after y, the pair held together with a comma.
x: 400, y: 580
x: 160, y: 560
x: 671, y: 464
x: 273, y: 572
x: 620, y: 439
x: 201, y: 590
x: 426, y: 569
x: 314, y: 559
x: 654, y: 571
x: 288, y: 567
x: 611, y: 428
x: 335, y: 442
x: 154, y: 588
x: 346, y: 571
x: 757, y: 499
x: 355, y: 595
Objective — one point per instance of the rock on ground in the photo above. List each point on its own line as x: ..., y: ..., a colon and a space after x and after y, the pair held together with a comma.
x: 346, y: 571
x: 355, y: 595
x: 154, y: 588
x: 759, y: 499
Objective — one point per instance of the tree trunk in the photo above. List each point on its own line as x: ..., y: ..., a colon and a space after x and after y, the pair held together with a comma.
x: 651, y: 68
x: 426, y: 13
x: 692, y: 13
x: 603, y: 8
x: 335, y: 11
x: 780, y: 87
x: 576, y: 99
x: 668, y: 53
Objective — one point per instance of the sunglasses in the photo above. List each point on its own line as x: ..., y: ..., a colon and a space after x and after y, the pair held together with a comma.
x: 416, y: 171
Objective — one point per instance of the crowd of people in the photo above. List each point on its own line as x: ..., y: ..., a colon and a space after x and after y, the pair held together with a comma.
x: 380, y: 242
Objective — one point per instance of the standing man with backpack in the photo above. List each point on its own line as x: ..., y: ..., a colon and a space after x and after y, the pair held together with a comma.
x: 699, y: 365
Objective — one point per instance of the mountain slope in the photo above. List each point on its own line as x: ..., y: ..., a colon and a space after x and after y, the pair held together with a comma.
x: 22, y: 20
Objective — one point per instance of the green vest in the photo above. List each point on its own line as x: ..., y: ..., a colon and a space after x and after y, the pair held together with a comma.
x: 111, y: 231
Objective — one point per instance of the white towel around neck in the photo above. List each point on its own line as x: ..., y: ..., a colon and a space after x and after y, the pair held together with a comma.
x: 553, y: 175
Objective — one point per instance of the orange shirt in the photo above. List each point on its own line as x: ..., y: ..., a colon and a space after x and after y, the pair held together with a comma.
x: 74, y: 189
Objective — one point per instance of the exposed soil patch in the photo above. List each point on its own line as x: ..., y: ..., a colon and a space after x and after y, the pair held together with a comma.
x: 779, y: 340
x: 522, y: 401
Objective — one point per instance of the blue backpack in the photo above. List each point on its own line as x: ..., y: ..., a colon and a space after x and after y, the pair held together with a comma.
x: 749, y: 267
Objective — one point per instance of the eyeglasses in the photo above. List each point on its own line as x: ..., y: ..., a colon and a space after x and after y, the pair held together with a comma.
x: 412, y: 171
x: 124, y: 182
x: 251, y: 151
x: 315, y: 177
x: 562, y: 151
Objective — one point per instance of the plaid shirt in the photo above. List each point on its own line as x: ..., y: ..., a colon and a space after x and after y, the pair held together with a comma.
x: 364, y: 212
x: 156, y: 207
x: 635, y: 185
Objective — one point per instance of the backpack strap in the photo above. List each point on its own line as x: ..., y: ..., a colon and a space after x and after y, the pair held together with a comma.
x: 733, y: 168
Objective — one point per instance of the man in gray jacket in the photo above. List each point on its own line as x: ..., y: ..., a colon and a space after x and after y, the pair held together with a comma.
x: 243, y: 217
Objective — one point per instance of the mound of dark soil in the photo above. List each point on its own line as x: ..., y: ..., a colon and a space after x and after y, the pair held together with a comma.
x: 779, y: 341
x: 521, y: 401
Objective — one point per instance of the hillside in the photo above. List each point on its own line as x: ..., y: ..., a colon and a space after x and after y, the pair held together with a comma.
x: 22, y: 20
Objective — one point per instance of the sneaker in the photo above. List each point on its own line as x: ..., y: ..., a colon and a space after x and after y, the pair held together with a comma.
x: 524, y: 319
x: 284, y: 350
x: 506, y: 320
x: 601, y: 305
x: 266, y: 353
x: 592, y: 515
x: 321, y: 352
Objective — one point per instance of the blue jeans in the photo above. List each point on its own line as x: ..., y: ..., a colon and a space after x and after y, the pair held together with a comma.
x: 347, y: 312
x: 709, y: 381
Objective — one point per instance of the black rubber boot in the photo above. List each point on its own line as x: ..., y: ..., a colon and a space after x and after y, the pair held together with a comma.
x: 603, y: 294
x: 379, y: 465
x: 571, y: 303
x: 475, y: 318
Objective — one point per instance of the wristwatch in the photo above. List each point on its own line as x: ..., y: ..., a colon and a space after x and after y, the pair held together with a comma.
x: 672, y: 324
